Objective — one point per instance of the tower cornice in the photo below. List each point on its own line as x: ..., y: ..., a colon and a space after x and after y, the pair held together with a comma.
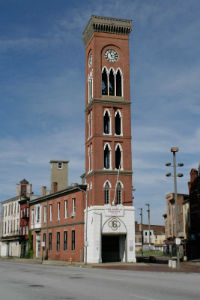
x: 106, y: 24
x: 110, y: 100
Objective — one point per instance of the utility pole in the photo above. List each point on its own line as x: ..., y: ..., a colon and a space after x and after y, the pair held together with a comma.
x: 148, y: 211
x: 141, y: 229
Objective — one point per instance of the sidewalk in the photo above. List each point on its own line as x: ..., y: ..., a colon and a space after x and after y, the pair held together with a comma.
x: 185, y: 267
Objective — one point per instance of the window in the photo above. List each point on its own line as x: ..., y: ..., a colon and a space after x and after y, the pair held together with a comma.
x: 44, y: 241
x: 50, y: 212
x: 73, y: 239
x: 58, y: 207
x: 32, y: 216
x: 107, y: 157
x: 107, y: 193
x: 118, y: 84
x: 89, y: 129
x: 118, y: 130
x: 90, y: 87
x: 65, y: 240
x: 26, y: 230
x: 73, y: 206
x: 66, y: 207
x: 60, y: 165
x: 50, y: 241
x: 89, y: 161
x: 111, y: 83
x: 21, y: 213
x: 38, y: 214
x: 58, y: 241
x: 27, y: 212
x: 118, y: 154
x: 45, y: 214
x: 119, y: 193
x: 106, y: 123
x: 104, y: 87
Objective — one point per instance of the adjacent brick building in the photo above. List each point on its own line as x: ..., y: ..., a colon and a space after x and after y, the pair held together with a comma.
x: 194, y: 200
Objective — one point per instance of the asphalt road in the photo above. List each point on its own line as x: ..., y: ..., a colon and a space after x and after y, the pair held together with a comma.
x: 23, y: 281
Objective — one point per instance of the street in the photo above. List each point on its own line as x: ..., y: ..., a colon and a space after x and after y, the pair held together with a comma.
x: 25, y: 281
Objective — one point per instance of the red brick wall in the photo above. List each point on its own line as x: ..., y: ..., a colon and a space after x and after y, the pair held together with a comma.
x: 64, y: 224
x: 97, y: 45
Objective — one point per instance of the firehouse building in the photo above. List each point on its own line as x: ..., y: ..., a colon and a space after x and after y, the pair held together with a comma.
x: 95, y: 221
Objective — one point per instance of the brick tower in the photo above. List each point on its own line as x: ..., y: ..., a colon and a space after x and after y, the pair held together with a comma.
x: 108, y: 161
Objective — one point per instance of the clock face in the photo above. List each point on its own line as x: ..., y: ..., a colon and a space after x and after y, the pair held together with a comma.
x: 111, y: 55
x: 90, y: 60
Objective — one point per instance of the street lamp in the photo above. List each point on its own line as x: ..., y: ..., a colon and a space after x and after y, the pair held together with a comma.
x: 174, y: 150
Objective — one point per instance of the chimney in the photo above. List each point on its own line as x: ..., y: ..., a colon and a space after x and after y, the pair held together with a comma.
x: 44, y: 191
x: 193, y: 175
x: 54, y: 187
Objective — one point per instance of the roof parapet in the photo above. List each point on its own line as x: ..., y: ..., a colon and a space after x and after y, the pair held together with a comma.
x: 106, y: 24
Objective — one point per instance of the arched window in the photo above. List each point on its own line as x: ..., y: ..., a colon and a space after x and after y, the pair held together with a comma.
x: 118, y: 158
x: 118, y: 84
x: 90, y: 87
x: 119, y: 193
x: 111, y: 83
x: 107, y: 193
x: 107, y: 157
x: 118, y: 123
x: 104, y: 86
x: 106, y: 123
x: 89, y: 162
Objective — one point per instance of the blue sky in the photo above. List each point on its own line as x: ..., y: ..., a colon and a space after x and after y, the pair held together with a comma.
x: 42, y: 69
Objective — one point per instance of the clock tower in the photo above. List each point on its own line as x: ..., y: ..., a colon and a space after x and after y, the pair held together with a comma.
x: 110, y: 228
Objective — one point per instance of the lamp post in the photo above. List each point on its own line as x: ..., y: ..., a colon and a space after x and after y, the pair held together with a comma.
x: 174, y: 150
x: 148, y: 211
x: 141, y: 229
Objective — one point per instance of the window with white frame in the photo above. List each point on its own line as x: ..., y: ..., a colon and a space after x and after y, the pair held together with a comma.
x: 66, y: 209
x: 107, y: 156
x: 106, y: 122
x: 89, y: 160
x: 111, y: 82
x: 90, y: 86
x: 107, y: 192
x: 119, y: 193
x: 118, y: 123
x: 50, y: 212
x: 73, y: 206
x: 118, y: 156
x: 38, y: 214
x: 45, y: 214
x: 32, y: 216
x: 58, y: 210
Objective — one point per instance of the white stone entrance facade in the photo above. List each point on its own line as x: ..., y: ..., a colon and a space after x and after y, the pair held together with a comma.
x: 110, y: 228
